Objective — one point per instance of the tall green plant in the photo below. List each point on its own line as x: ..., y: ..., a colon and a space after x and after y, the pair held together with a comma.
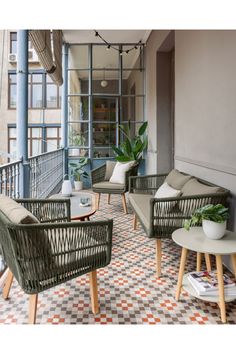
x: 131, y: 148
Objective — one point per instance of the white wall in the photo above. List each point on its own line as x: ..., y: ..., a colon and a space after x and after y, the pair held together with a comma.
x: 205, y: 106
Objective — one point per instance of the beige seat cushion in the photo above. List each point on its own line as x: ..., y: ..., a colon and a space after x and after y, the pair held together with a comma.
x: 15, y: 212
x: 176, y: 179
x: 193, y: 187
x: 110, y: 165
x: 141, y: 205
x: 108, y: 185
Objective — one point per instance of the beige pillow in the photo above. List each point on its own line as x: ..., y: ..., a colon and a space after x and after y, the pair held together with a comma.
x: 176, y: 179
x: 15, y: 212
x: 110, y: 165
x: 118, y: 175
x: 193, y: 187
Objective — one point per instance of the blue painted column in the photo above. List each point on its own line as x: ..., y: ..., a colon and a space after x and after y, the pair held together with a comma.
x: 64, y: 106
x: 22, y: 111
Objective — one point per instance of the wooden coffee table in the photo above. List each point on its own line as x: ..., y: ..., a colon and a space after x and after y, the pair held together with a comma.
x: 79, y: 212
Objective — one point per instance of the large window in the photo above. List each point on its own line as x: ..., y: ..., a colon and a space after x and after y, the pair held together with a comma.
x: 41, y: 138
x: 42, y: 92
x: 105, y: 90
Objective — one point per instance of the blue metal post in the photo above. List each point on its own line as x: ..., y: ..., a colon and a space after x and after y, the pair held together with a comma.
x: 64, y: 106
x: 22, y: 110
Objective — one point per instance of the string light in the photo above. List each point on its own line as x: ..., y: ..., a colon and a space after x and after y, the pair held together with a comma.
x: 109, y: 46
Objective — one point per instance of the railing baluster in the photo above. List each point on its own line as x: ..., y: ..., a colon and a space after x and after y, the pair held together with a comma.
x: 9, y: 179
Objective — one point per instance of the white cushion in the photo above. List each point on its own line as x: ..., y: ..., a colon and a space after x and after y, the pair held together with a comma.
x: 166, y: 191
x: 118, y: 174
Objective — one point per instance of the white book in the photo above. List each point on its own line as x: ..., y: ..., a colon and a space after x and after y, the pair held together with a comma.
x: 230, y: 291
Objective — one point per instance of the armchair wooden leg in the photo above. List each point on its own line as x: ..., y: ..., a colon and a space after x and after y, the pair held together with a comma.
x: 124, y: 203
x: 108, y: 199
x: 208, y: 262
x: 158, y: 257
x: 94, y: 291
x: 7, y: 286
x: 135, y: 220
x: 98, y: 200
x: 33, y: 300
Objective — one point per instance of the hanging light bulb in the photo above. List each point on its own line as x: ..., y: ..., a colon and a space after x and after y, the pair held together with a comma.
x: 104, y: 82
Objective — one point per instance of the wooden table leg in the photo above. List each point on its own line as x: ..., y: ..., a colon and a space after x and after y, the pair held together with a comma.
x: 208, y: 262
x: 199, y: 261
x: 233, y: 260
x: 219, y: 268
x: 181, y: 272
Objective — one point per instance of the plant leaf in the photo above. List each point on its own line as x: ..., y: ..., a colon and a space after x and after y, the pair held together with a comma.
x: 142, y: 128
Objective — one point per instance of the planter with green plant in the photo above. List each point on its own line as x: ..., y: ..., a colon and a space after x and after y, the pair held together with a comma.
x: 77, y: 172
x: 213, y: 219
x: 132, y: 148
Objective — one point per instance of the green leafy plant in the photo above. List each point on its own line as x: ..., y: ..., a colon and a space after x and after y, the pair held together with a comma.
x: 217, y: 213
x: 132, y: 147
x: 76, y: 169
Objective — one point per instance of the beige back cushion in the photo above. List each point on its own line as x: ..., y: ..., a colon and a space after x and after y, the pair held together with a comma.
x: 176, y: 179
x: 110, y: 165
x: 193, y: 187
x: 15, y: 212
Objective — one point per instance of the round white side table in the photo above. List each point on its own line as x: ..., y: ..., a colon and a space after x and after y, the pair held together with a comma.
x: 195, y: 240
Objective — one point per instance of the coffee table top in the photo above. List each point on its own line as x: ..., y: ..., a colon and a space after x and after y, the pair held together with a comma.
x: 78, y: 211
x: 195, y: 240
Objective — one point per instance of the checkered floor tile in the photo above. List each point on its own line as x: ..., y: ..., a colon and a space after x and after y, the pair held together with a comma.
x: 129, y: 291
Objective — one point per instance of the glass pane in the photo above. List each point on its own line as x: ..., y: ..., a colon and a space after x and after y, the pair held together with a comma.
x: 134, y: 59
x: 37, y: 78
x: 12, y: 132
x: 78, y: 108
x: 104, y: 57
x: 131, y: 79
x: 99, y: 152
x: 78, y: 81
x: 12, y: 151
x: 12, y: 78
x: 132, y: 108
x: 78, y: 57
x: 78, y: 134
x: 75, y: 152
x: 12, y: 100
x: 36, y: 132
x: 48, y: 79
x: 51, y: 145
x: 37, y: 99
x: 36, y: 147
x: 106, y: 81
x: 104, y: 134
x: 51, y: 132
x: 51, y: 96
x: 105, y: 109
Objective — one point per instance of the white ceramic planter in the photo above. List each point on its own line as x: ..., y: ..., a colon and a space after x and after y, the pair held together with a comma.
x: 78, y: 185
x: 213, y: 230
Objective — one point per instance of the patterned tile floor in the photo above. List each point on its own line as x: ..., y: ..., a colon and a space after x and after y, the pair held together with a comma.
x: 129, y: 291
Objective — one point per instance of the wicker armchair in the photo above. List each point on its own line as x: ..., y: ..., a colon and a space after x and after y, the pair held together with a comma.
x: 160, y: 217
x: 99, y: 185
x: 41, y: 256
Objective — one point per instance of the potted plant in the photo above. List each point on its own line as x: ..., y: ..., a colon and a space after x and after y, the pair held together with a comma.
x: 77, y: 139
x: 76, y: 170
x: 132, y: 148
x: 213, y: 219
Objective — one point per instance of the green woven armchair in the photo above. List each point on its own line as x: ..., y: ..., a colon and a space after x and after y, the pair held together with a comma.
x: 101, y: 184
x: 160, y: 217
x: 43, y: 255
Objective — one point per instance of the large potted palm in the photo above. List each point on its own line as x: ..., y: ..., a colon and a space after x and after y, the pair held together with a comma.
x: 131, y: 148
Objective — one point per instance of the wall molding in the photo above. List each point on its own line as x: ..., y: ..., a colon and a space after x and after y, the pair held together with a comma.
x: 210, y: 166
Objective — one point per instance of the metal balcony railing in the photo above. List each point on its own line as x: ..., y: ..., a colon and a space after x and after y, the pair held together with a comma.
x: 9, y: 179
x: 46, y: 173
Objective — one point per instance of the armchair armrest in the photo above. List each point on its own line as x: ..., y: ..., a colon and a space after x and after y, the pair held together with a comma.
x: 48, y: 210
x: 146, y: 184
x: 49, y: 254
x: 98, y: 174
